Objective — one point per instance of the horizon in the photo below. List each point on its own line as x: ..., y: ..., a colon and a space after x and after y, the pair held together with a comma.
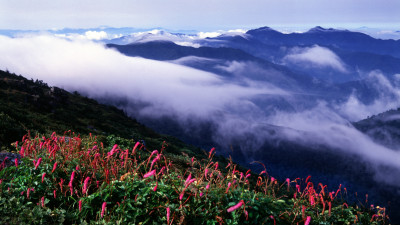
x: 116, y: 32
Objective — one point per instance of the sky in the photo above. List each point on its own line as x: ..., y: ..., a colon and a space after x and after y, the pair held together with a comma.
x: 205, y: 15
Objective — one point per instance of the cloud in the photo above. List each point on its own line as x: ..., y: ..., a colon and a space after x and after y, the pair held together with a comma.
x: 96, y: 35
x: 388, y: 97
x: 90, y: 67
x: 240, y: 110
x: 316, y: 56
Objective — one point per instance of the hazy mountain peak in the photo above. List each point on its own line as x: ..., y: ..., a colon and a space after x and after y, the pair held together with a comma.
x: 319, y: 29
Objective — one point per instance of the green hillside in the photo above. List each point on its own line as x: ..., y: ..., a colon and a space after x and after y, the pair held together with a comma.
x: 88, y: 163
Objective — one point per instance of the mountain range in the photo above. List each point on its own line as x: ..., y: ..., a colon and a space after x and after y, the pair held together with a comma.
x: 307, y: 108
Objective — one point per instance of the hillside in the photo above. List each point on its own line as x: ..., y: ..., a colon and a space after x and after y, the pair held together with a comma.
x: 384, y: 128
x: 33, y: 105
x: 28, y: 105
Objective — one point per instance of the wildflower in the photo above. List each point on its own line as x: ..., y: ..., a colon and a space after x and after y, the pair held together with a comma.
x: 273, y: 218
x: 154, y: 161
x: 188, y: 178
x: 72, y: 178
x: 233, y: 208
x: 205, y: 172
x: 54, y: 167
x: 85, y: 185
x: 42, y: 201
x: 70, y: 182
x: 307, y: 179
x: 54, y: 193
x: 80, y: 205
x: 103, y: 209
x: 312, y: 201
x: 229, y: 185
x: 308, y: 220
x: 208, y: 186
x: 155, y: 187
x: 43, y: 175
x: 16, y: 162
x: 38, y: 163
x: 134, y: 147
x: 247, y: 176
x: 149, y: 174
x: 297, y: 188
x: 168, y: 214
x: 210, y: 153
x: 189, y: 182
x: 216, y: 166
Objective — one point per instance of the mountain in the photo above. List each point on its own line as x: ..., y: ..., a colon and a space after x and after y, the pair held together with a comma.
x: 384, y: 128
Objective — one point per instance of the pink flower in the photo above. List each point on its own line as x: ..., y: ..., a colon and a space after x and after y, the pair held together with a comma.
x: 38, y: 163
x: 80, y: 205
x: 54, y: 167
x: 229, y: 185
x: 134, y: 148
x: 155, y: 187
x: 205, y: 172
x: 42, y: 200
x: 210, y: 153
x: 312, y: 201
x: 308, y: 220
x: 189, y: 182
x: 85, y: 185
x: 233, y: 208
x: 297, y: 188
x: 72, y: 178
x: 188, y: 178
x: 168, y: 214
x: 103, y: 209
x: 149, y: 174
x: 16, y: 162
x: 208, y: 186
x: 54, y: 193
x: 43, y: 175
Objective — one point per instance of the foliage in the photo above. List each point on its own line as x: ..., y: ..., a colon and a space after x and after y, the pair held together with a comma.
x: 72, y: 179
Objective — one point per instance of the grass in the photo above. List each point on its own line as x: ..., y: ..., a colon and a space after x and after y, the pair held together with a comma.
x: 80, y: 180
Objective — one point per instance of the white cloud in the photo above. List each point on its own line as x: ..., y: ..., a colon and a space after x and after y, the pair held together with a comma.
x: 389, y: 98
x: 316, y: 56
x: 86, y: 66
x: 208, y: 34
x: 96, y: 35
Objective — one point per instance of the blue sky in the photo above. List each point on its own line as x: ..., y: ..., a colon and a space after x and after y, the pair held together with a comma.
x: 203, y: 15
